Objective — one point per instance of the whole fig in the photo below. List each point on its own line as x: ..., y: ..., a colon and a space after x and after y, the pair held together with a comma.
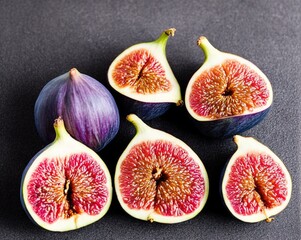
x: 89, y: 110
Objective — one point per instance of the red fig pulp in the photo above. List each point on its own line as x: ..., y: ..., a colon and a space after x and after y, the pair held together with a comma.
x: 256, y: 184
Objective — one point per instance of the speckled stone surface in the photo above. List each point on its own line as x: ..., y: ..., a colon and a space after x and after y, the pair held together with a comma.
x: 40, y: 40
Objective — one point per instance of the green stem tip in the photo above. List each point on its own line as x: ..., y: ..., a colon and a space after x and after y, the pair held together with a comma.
x: 59, y: 128
x: 170, y: 32
x: 162, y: 40
x: 206, y: 46
x: 137, y: 122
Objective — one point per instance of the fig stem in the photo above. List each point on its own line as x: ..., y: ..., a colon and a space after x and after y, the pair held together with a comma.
x: 162, y: 40
x: 150, y: 219
x: 74, y: 73
x: 137, y: 122
x: 206, y: 46
x: 180, y: 103
x: 59, y: 128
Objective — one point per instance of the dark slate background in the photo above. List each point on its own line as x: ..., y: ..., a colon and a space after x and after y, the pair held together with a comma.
x: 40, y: 40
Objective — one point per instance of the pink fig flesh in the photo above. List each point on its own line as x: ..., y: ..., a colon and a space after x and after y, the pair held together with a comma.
x: 62, y: 188
x: 161, y: 176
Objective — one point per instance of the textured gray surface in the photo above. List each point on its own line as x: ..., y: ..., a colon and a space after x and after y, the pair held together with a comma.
x: 40, y: 40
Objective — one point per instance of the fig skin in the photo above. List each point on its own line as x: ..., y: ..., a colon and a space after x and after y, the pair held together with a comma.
x: 151, y: 105
x: 246, y: 146
x: 88, y: 108
x: 230, y: 125
x: 63, y: 146
x: 145, y: 111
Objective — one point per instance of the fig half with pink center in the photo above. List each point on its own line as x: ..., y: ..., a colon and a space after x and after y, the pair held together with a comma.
x: 160, y: 178
x: 256, y: 184
x: 143, y: 76
x: 228, y: 94
x: 66, y: 185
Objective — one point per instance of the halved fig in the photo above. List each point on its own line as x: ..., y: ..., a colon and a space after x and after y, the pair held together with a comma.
x: 143, y: 75
x: 228, y: 94
x: 159, y: 178
x: 66, y: 185
x: 256, y: 184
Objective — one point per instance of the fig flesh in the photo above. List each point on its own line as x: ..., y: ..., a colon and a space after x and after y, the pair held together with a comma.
x: 143, y: 76
x: 66, y: 185
x: 256, y: 184
x: 89, y: 110
x: 228, y: 94
x: 159, y: 178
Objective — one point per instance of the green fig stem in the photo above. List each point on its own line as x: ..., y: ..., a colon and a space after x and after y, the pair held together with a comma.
x: 162, y: 40
x: 207, y: 48
x: 74, y: 74
x: 137, y: 122
x: 59, y: 128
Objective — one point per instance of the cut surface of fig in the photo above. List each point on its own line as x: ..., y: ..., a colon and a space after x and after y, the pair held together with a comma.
x: 141, y: 71
x: 228, y: 94
x: 66, y: 185
x: 227, y: 90
x: 62, y: 188
x: 159, y: 178
x: 256, y: 184
x: 143, y: 76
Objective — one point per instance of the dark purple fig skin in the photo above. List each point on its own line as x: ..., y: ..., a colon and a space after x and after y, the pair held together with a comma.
x: 228, y: 127
x: 87, y: 107
x: 148, y: 111
x: 144, y: 110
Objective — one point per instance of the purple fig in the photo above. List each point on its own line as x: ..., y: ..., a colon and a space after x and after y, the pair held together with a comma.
x: 87, y: 107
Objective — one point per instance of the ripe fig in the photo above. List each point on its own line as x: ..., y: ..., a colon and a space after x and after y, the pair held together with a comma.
x: 66, y: 185
x: 159, y: 178
x: 143, y: 76
x: 89, y: 110
x: 228, y: 94
x: 256, y: 184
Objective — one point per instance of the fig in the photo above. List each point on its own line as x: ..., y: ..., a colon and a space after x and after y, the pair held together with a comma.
x: 88, y: 108
x: 66, y: 185
x: 159, y: 178
x: 228, y: 94
x: 256, y: 184
x: 144, y: 79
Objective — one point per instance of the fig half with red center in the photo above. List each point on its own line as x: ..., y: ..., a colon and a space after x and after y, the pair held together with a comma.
x: 66, y: 185
x: 143, y: 76
x: 159, y: 178
x: 256, y: 184
x: 228, y: 94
